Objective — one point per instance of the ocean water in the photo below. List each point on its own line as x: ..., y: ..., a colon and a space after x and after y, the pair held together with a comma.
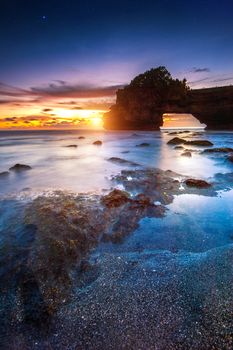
x: 184, y: 260
x: 86, y: 168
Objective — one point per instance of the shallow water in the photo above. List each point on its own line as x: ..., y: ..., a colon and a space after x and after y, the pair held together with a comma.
x: 195, y: 235
x: 86, y: 168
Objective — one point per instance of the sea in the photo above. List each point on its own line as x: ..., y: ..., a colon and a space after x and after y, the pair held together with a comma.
x: 176, y: 292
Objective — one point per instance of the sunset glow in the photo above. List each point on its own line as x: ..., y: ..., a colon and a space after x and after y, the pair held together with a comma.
x: 48, y: 118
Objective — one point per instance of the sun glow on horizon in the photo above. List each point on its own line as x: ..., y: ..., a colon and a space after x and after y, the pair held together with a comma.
x: 53, y: 118
x: 180, y: 120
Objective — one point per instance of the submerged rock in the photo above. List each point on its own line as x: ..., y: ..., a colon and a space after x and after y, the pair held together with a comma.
x: 230, y: 158
x: 122, y: 161
x: 179, y: 147
x: 81, y: 137
x: 143, y: 144
x: 197, y: 183
x: 4, y: 174
x: 218, y: 150
x: 20, y: 167
x: 187, y: 154
x: 97, y: 143
x: 67, y: 228
x: 156, y: 184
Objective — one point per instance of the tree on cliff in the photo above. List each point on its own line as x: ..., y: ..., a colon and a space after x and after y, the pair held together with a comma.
x: 164, y: 87
x: 142, y: 103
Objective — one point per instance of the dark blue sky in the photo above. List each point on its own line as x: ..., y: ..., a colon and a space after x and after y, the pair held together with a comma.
x: 108, y: 42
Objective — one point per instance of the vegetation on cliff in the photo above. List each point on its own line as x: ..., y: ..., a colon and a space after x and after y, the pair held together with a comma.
x: 142, y: 103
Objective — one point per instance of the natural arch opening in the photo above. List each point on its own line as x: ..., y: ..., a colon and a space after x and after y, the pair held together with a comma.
x: 181, y: 121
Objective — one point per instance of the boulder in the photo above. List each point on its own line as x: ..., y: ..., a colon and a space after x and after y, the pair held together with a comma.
x: 187, y: 154
x: 218, y: 150
x: 20, y: 167
x: 122, y: 161
x: 199, y: 143
x: 97, y: 143
x: 176, y: 141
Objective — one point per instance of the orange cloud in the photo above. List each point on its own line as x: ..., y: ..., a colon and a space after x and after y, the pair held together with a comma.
x: 36, y: 107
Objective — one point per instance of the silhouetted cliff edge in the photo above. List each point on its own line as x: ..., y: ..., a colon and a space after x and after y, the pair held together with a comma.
x: 141, y: 104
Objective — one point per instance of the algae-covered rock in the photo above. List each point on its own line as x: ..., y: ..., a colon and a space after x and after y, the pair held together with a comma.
x: 197, y: 183
x: 67, y: 228
x: 115, y: 198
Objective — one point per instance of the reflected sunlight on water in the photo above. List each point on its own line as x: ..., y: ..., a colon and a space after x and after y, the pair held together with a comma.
x: 86, y: 168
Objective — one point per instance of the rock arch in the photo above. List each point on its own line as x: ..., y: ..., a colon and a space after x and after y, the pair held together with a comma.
x: 140, y: 106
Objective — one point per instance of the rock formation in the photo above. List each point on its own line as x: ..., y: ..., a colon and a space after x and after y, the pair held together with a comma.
x: 141, y: 104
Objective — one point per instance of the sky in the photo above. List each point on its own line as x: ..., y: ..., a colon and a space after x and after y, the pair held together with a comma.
x: 62, y: 61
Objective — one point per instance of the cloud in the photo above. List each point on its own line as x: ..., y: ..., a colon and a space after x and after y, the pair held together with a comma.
x: 221, y: 79
x: 77, y: 91
x: 77, y: 108
x: 200, y: 70
x: 8, y: 90
x: 198, y: 81
x: 61, y: 82
x: 47, y: 110
x: 55, y: 91
x: 67, y: 103
x: 9, y: 119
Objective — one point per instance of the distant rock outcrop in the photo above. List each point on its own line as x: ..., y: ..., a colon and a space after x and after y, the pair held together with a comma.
x: 141, y: 104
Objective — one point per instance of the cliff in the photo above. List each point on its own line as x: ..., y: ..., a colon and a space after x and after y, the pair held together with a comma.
x: 142, y: 103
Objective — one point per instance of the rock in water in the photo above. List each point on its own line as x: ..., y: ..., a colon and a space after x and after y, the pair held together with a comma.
x: 230, y: 158
x: 116, y: 198
x: 97, y: 143
x: 67, y: 228
x: 72, y: 146
x: 179, y: 141
x: 122, y: 161
x: 20, y: 167
x: 143, y: 144
x: 187, y: 154
x: 197, y: 183
x: 176, y: 141
x: 199, y: 143
x: 81, y: 137
x: 4, y: 174
x: 218, y: 150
